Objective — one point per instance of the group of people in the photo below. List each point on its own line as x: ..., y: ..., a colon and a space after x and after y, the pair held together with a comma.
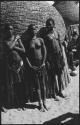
x: 34, y: 61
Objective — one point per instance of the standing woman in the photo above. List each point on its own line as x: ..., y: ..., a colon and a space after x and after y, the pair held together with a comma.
x: 54, y: 57
x: 36, y: 57
x: 14, y: 65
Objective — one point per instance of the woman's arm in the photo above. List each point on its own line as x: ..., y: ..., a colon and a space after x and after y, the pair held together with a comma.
x: 20, y: 46
x: 10, y: 44
x: 44, y: 51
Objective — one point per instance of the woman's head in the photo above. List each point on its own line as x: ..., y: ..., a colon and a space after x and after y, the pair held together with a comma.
x: 32, y: 29
x: 8, y: 30
x: 50, y: 24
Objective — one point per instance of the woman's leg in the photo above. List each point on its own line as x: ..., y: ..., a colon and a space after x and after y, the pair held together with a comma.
x: 38, y: 88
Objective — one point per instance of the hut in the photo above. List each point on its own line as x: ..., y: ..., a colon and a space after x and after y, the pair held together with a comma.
x: 22, y: 13
x: 69, y: 11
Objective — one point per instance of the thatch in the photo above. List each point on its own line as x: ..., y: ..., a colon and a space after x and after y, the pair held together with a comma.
x: 22, y: 13
x: 69, y: 10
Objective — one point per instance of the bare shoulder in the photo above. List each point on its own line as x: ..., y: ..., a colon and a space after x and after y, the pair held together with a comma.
x: 40, y: 39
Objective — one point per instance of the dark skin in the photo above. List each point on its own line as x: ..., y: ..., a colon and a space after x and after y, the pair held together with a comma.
x: 39, y: 50
x: 36, y: 60
x: 53, y: 45
x: 13, y: 43
x: 37, y: 45
x: 59, y: 54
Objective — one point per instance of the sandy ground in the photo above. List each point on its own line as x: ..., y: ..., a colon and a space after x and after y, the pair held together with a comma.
x: 69, y: 105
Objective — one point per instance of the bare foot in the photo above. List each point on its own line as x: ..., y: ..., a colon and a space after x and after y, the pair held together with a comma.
x: 23, y: 108
x: 3, y: 109
x: 41, y: 107
x: 62, y: 95
x: 19, y: 109
x: 56, y: 98
x: 44, y: 104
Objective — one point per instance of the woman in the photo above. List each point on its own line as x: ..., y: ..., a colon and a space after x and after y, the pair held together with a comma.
x: 54, y: 57
x: 14, y: 64
x: 36, y: 56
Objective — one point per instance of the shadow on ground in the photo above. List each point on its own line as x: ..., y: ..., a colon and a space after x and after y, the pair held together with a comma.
x: 31, y: 106
x: 66, y: 119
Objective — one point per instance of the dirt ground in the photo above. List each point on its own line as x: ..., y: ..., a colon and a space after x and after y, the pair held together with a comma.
x: 65, y: 107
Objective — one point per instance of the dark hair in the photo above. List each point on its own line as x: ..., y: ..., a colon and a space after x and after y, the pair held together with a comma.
x: 30, y: 27
x: 6, y: 30
x: 48, y: 21
x: 28, y: 32
x: 7, y: 26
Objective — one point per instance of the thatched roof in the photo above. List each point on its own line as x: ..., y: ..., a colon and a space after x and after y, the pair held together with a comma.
x: 22, y: 13
x: 69, y: 11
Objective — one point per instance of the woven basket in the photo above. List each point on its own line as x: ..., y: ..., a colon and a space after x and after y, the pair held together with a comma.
x: 21, y: 13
